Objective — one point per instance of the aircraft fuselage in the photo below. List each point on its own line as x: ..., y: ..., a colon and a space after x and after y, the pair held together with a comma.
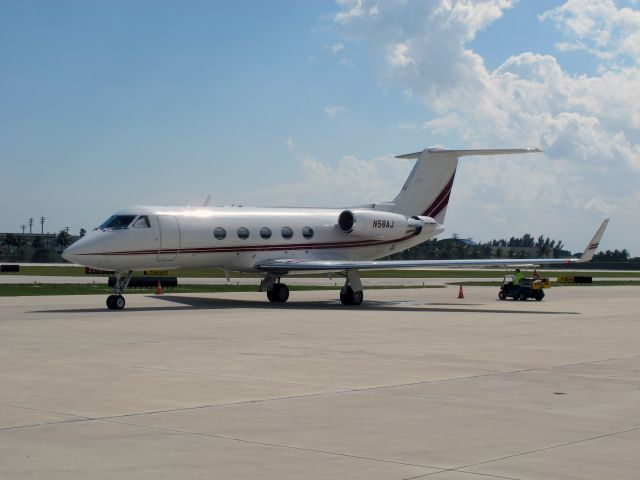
x: 238, y: 238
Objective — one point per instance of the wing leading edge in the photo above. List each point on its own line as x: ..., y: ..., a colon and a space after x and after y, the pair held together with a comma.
x: 297, y: 265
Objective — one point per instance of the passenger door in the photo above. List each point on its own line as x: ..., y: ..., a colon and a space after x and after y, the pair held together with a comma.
x: 169, y: 238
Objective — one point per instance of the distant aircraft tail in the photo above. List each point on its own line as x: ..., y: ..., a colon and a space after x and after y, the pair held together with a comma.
x: 428, y: 187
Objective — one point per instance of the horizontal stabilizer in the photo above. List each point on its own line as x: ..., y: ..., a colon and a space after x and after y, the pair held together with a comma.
x: 469, y: 153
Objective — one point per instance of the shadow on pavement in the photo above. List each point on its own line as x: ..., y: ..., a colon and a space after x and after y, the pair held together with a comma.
x: 207, y: 303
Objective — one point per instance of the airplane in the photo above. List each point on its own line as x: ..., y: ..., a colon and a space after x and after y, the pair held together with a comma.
x: 275, y: 242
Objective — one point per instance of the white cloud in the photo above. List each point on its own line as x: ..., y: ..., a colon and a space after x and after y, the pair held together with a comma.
x: 352, y: 9
x: 398, y: 55
x: 333, y: 110
x: 599, y: 27
x: 588, y: 125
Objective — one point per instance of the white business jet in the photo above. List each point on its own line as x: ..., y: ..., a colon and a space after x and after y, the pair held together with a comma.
x: 276, y: 242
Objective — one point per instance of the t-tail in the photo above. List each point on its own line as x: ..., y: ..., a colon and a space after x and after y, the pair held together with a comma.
x: 428, y: 187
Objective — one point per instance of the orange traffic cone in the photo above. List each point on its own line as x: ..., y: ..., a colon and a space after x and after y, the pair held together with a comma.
x: 159, y: 288
x: 460, y: 293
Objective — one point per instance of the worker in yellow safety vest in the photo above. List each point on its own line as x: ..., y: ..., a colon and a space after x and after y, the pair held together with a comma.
x: 517, y: 277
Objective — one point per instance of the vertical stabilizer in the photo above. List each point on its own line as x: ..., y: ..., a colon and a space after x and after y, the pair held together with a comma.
x: 428, y: 187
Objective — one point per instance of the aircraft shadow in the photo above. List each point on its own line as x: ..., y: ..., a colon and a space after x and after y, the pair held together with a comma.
x: 201, y: 303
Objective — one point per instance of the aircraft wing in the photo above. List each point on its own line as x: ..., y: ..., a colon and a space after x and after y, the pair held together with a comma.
x: 298, y: 265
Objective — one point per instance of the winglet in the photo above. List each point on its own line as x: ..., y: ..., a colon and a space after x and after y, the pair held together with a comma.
x: 590, y: 251
x: 207, y: 201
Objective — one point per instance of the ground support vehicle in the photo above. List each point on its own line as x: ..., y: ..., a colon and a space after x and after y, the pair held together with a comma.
x: 529, y: 287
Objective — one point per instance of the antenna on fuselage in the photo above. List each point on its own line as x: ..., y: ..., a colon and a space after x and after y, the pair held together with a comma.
x: 207, y: 201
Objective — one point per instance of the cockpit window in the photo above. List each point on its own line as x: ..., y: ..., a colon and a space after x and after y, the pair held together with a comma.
x: 142, y: 222
x: 118, y: 222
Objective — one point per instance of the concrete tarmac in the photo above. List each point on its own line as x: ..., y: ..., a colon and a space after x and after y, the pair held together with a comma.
x: 412, y: 384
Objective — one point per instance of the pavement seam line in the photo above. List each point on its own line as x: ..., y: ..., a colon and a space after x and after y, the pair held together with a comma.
x: 482, y: 375
x: 462, y: 471
x: 293, y: 397
x: 84, y: 418
x: 551, y: 447
x: 274, y: 445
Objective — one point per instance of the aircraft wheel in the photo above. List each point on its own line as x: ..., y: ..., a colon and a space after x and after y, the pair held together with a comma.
x: 271, y: 296
x: 349, y: 297
x: 357, y: 298
x: 345, y: 295
x: 110, y: 304
x: 279, y: 293
x: 119, y: 302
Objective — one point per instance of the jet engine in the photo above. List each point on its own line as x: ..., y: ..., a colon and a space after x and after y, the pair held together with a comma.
x: 379, y: 224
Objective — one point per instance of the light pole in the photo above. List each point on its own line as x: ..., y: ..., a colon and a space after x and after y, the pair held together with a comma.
x: 30, y: 225
x: 23, y: 227
x: 42, y: 225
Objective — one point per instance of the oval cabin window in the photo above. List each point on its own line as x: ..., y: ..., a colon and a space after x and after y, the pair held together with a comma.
x: 220, y: 233
x: 265, y: 232
x: 286, y: 232
x: 307, y: 232
x: 243, y: 233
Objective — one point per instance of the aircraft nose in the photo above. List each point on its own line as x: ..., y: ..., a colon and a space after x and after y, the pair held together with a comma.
x: 70, y: 254
x: 75, y: 252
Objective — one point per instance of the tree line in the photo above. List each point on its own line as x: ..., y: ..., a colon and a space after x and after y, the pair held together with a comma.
x: 35, y: 247
x: 526, y: 246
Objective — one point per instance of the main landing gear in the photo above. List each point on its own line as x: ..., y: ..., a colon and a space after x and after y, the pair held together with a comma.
x: 117, y: 302
x: 350, y: 294
x: 276, y: 292
x: 350, y: 297
x: 279, y: 293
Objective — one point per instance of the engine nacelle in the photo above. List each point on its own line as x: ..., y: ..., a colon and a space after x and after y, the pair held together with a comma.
x: 376, y: 224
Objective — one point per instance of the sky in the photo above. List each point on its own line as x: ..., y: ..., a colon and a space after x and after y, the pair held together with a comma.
x: 109, y: 104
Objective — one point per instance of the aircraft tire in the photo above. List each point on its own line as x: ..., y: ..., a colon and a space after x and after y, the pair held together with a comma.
x: 349, y: 297
x: 110, y: 304
x: 357, y: 297
x: 279, y: 293
x: 119, y: 302
x: 271, y: 296
x: 282, y: 293
x: 345, y: 296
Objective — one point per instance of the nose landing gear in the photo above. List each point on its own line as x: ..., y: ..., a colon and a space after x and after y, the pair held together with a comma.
x: 117, y: 301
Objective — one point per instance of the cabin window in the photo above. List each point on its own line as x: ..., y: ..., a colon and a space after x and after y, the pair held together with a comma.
x: 220, y: 233
x: 243, y: 233
x: 307, y: 232
x: 265, y: 232
x: 286, y: 232
x: 142, y: 222
x: 118, y: 222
